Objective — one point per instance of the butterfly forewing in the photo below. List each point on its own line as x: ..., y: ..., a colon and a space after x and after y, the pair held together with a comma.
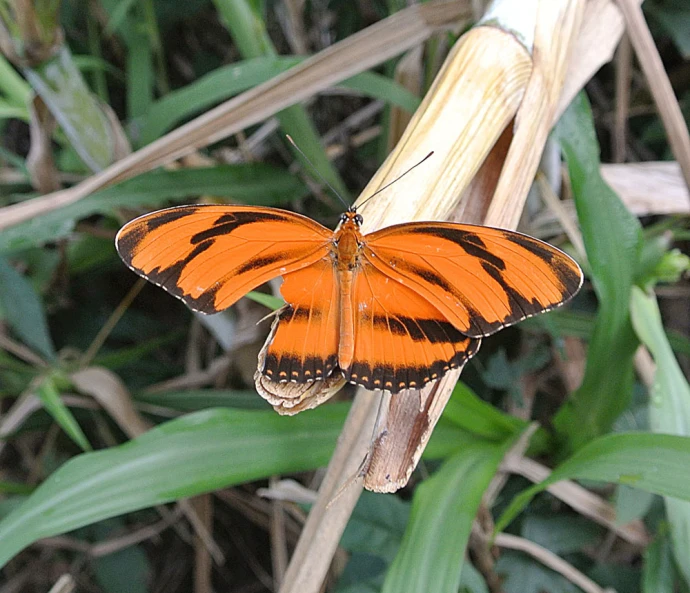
x: 210, y: 256
x: 303, y: 345
x: 480, y: 279
x: 401, y: 340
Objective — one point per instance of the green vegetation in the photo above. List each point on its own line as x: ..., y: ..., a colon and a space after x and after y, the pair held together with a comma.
x: 117, y: 403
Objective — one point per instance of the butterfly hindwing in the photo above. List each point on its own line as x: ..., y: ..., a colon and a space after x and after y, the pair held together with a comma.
x: 209, y: 256
x: 481, y: 279
x: 303, y: 345
x: 401, y: 340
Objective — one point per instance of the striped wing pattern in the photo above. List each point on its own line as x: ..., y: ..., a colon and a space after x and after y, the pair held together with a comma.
x: 210, y: 256
x: 303, y: 344
x: 479, y: 278
x: 401, y: 340
x: 423, y: 293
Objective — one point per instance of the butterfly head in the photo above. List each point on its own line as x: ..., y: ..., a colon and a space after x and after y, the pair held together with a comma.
x: 350, y: 219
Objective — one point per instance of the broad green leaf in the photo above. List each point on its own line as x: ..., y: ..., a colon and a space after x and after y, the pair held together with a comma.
x: 255, y: 183
x: 219, y: 85
x: 657, y: 574
x: 431, y: 556
x: 50, y: 397
x: 21, y: 307
x: 376, y: 526
x: 198, y: 453
x: 612, y: 238
x: 521, y: 573
x: 562, y: 534
x: 61, y: 86
x: 669, y: 408
x: 653, y: 462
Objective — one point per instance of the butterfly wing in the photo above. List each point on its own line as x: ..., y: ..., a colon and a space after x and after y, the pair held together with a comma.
x: 303, y: 345
x: 210, y: 256
x: 481, y: 279
x: 401, y: 340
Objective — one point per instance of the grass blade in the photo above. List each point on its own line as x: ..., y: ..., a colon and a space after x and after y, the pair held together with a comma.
x: 669, y: 409
x: 50, y: 396
x: 612, y: 238
x: 185, y: 457
x: 653, y: 462
x: 431, y: 556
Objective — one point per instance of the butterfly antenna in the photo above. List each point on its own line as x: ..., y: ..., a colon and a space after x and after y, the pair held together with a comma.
x: 378, y: 191
x: 321, y: 177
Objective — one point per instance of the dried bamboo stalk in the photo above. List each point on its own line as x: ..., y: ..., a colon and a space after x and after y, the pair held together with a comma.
x: 455, y: 122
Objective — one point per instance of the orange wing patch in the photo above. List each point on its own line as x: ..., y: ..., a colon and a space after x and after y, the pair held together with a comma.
x: 401, y: 340
x: 210, y: 256
x: 480, y: 279
x: 303, y: 344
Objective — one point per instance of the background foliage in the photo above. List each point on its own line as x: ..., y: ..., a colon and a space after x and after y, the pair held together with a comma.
x: 115, y: 401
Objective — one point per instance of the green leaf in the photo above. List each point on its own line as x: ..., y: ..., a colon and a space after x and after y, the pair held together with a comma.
x: 612, y: 237
x: 669, y: 408
x: 219, y: 85
x: 228, y: 81
x: 198, y: 453
x: 468, y: 411
x: 653, y: 462
x: 23, y: 310
x: 377, y: 525
x: 52, y: 402
x: 62, y: 88
x: 431, y: 556
x: 657, y: 574
x: 15, y: 90
x: 250, y: 35
x: 254, y: 183
x: 199, y: 399
x: 523, y: 574
x: 267, y: 300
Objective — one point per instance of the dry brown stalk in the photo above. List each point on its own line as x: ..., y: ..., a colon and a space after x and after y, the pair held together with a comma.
x: 449, y: 122
x: 659, y: 84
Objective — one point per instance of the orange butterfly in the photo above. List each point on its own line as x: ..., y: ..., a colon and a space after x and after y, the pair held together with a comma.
x: 390, y: 310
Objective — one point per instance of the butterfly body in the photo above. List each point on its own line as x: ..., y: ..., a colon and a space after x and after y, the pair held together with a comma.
x: 392, y: 310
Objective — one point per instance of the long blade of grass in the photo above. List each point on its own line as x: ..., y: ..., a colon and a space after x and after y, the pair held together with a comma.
x: 50, y: 397
x: 251, y: 37
x: 431, y: 556
x: 198, y: 453
x: 226, y: 82
x: 669, y: 409
x: 612, y: 237
x: 653, y: 462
